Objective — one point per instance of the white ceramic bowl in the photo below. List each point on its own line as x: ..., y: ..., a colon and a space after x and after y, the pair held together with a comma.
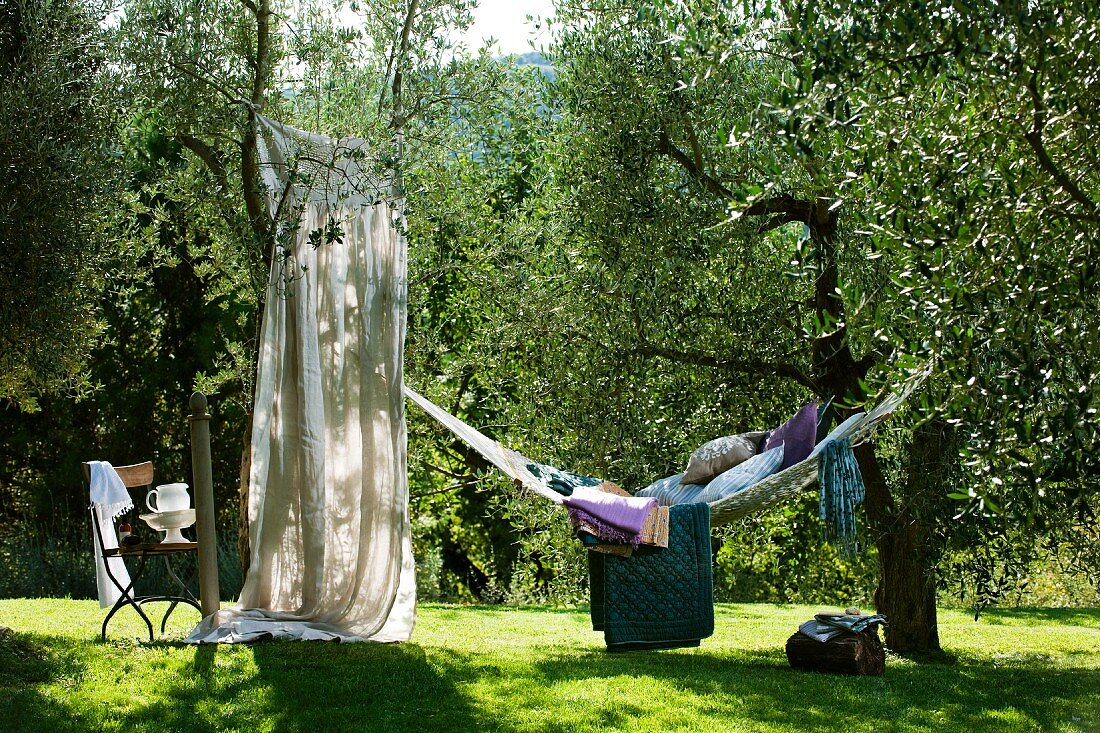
x: 171, y: 523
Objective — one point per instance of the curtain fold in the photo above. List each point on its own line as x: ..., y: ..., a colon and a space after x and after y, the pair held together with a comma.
x: 328, y: 495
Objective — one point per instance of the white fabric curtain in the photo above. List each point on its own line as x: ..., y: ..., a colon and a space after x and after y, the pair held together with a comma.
x: 328, y: 495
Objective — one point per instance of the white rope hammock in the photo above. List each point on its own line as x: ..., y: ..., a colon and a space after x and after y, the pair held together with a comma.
x: 759, y: 496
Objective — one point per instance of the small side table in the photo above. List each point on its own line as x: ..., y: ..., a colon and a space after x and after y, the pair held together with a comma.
x: 127, y: 598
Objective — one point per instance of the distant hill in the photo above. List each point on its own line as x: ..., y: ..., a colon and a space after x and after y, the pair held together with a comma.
x: 536, y: 59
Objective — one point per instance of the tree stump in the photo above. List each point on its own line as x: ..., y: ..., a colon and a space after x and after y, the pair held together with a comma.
x: 847, y: 653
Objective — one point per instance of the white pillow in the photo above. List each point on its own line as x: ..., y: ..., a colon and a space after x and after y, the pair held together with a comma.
x: 720, y: 455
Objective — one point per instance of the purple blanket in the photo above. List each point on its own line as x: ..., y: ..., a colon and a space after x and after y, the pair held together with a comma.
x: 624, y: 513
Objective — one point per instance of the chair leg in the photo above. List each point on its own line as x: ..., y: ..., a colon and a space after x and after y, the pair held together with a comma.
x: 164, y: 621
x: 126, y: 598
x: 114, y: 609
x: 188, y: 596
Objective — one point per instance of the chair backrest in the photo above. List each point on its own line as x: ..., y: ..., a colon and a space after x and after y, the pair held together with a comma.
x: 137, y: 474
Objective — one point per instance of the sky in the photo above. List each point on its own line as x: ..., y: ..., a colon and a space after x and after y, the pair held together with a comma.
x: 506, y: 21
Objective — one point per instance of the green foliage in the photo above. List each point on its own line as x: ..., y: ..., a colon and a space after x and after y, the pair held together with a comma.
x: 957, y: 160
x: 56, y: 182
x: 470, y: 210
x: 986, y: 195
x: 778, y: 556
x: 61, y: 564
x: 986, y: 192
x: 608, y: 264
x: 168, y: 322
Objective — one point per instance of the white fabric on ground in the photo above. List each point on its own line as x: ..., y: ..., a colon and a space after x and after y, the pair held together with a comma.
x: 328, y: 495
x: 109, y: 498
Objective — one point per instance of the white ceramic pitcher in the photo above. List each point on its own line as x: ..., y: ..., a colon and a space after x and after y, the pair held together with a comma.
x: 169, y: 498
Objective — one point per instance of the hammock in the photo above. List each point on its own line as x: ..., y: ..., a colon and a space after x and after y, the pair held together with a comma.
x: 761, y: 495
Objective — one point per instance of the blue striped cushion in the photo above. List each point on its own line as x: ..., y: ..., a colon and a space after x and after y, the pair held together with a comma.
x: 742, y: 476
x: 669, y: 491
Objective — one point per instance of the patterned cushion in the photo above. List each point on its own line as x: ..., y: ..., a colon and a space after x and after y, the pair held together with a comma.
x: 796, y: 435
x: 718, y: 455
x: 669, y: 491
x: 742, y: 476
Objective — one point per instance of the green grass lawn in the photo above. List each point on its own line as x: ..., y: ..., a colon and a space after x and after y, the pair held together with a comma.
x: 538, y: 669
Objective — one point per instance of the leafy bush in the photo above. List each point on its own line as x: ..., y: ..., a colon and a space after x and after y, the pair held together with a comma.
x: 62, y: 565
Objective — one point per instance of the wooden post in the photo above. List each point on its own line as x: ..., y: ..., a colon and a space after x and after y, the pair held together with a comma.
x: 209, y: 595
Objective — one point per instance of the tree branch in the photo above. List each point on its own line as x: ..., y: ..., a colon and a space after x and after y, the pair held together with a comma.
x: 202, y: 79
x: 397, y: 120
x: 785, y: 207
x: 250, y: 165
x: 465, y: 478
x: 709, y: 182
x: 207, y: 155
x: 758, y: 367
x: 779, y: 220
x: 1034, y: 137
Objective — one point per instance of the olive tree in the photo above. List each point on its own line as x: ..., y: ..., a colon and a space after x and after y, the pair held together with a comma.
x: 965, y: 166
x: 56, y: 125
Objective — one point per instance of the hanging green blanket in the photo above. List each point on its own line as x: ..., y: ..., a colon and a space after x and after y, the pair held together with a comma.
x: 657, y: 598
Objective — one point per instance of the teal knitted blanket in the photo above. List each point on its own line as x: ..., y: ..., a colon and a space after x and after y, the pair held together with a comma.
x: 657, y: 598
x: 561, y: 481
x: 841, y: 490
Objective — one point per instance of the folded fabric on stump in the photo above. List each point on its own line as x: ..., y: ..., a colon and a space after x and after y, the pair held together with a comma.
x: 853, y: 622
x: 825, y: 626
x: 657, y: 599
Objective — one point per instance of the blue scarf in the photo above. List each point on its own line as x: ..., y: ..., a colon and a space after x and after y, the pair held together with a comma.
x: 842, y: 490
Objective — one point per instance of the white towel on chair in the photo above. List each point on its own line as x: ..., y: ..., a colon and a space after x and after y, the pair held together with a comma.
x: 109, y: 499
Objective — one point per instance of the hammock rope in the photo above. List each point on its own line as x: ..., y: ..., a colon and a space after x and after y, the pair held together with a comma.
x: 766, y: 493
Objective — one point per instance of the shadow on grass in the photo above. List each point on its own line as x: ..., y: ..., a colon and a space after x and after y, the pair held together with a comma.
x: 939, y: 656
x: 370, y: 687
x: 312, y: 687
x: 27, y: 663
x: 1086, y: 617
x: 316, y: 687
x: 759, y: 690
x: 308, y: 686
x: 391, y: 687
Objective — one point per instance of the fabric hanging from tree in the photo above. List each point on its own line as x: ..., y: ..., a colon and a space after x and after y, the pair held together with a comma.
x: 331, y: 544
